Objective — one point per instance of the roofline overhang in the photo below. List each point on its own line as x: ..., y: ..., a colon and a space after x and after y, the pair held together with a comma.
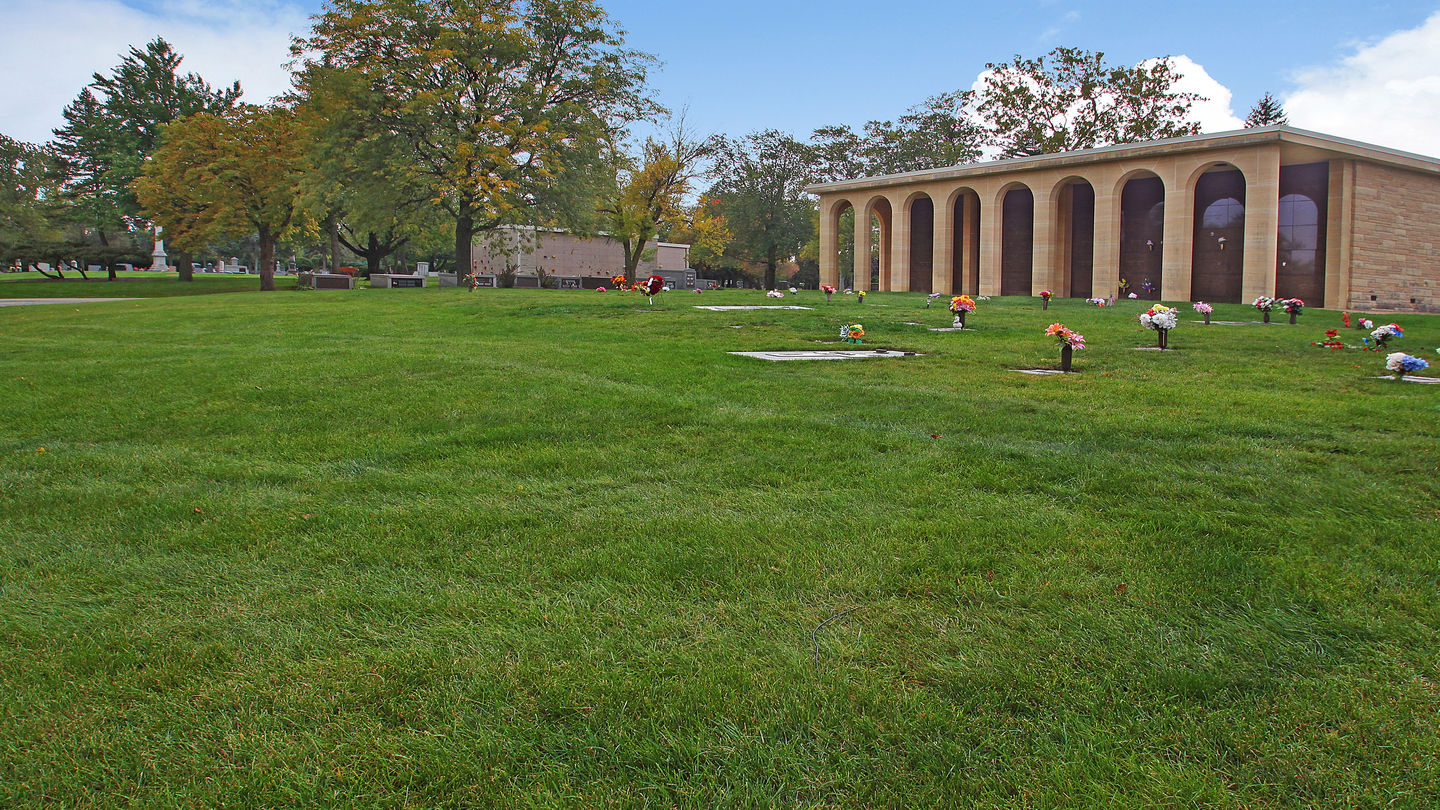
x: 1190, y: 143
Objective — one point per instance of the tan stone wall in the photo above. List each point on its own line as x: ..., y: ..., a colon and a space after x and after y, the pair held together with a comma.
x: 563, y: 254
x: 1395, y: 247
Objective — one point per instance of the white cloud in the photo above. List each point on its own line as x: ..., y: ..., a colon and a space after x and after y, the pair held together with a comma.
x: 52, y: 48
x: 1386, y: 92
x: 1214, y: 113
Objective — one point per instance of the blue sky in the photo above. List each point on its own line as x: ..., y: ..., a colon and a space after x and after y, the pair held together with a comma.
x: 1362, y: 70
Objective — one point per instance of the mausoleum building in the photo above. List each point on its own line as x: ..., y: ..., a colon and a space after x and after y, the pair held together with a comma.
x: 534, y: 253
x: 1221, y: 217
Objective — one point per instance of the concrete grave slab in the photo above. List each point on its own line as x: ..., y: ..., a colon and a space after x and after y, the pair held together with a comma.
x: 832, y: 354
x: 1414, y: 379
x: 748, y: 308
x: 1040, y: 372
x: 25, y: 302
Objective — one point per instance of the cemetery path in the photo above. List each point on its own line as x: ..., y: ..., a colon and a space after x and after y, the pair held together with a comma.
x: 21, y: 302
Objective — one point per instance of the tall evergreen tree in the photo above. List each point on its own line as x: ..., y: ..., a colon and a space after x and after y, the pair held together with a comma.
x: 113, y: 126
x: 1267, y: 112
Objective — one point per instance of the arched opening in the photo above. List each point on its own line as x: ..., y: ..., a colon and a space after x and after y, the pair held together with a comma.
x: 1142, y: 236
x: 880, y: 219
x: 842, y: 218
x: 965, y: 244
x: 922, y: 244
x: 1217, y: 257
x: 1017, y: 241
x: 1300, y: 258
x: 1076, y: 237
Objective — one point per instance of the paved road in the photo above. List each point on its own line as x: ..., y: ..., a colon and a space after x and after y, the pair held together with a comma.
x: 21, y: 302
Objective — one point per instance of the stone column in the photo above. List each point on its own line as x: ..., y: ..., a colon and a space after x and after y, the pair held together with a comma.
x: 862, y: 249
x: 1176, y: 262
x: 942, y: 261
x: 829, y: 245
x: 1105, y: 273
x: 1339, y: 222
x: 1042, y: 243
x: 969, y: 264
x: 992, y: 219
x: 1262, y: 224
x: 899, y: 247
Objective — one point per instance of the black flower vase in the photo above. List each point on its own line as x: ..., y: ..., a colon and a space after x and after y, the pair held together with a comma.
x: 1292, y: 318
x: 1065, y: 352
x: 1207, y: 319
x: 1164, y: 338
x: 1267, y: 316
x: 1044, y: 304
x: 961, y: 315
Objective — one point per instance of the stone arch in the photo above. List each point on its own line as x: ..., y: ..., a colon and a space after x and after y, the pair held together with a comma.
x: 1015, y: 202
x: 1074, y: 235
x: 1217, y: 253
x: 965, y: 208
x: 919, y: 211
x: 1142, y: 232
x: 878, y: 223
x: 843, y: 227
x: 1301, y: 233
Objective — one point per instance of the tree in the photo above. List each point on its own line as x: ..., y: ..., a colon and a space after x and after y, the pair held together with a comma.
x: 108, y: 137
x: 497, y: 108
x: 936, y: 133
x: 227, y: 174
x: 1071, y: 99
x: 1267, y: 112
x: 761, y: 181
x: 650, y: 191
x: 27, y: 175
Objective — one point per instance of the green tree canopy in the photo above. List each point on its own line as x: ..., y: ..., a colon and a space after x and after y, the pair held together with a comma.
x: 228, y: 174
x: 1072, y: 99
x: 760, y: 183
x: 938, y: 132
x: 498, y: 109
x: 113, y: 126
x: 651, y: 190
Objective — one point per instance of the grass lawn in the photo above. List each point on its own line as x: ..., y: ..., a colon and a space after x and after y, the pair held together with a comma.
x: 536, y: 548
x: 129, y: 284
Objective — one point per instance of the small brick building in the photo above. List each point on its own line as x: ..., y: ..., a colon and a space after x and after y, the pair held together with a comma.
x: 1221, y: 217
x: 532, y: 251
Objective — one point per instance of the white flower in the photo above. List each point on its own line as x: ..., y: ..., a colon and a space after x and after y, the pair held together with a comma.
x: 1132, y: 295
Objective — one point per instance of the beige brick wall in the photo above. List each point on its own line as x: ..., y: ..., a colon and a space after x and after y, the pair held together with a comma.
x: 562, y: 254
x: 1396, y: 240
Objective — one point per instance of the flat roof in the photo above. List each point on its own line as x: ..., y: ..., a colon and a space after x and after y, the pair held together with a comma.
x: 1282, y: 134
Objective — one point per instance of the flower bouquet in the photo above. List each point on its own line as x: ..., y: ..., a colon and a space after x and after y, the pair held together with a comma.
x: 1204, y: 309
x: 1045, y: 299
x: 828, y: 290
x: 1400, y: 364
x: 774, y: 294
x: 860, y: 295
x: 1069, y: 341
x: 1345, y: 319
x: 1331, y: 341
x: 1383, y: 336
x: 1161, y: 319
x: 1096, y: 302
x: 961, y: 305
x: 852, y: 333
x: 1293, y: 306
x: 1264, y: 304
x: 472, y: 281
x: 1146, y: 287
x: 1366, y: 323
x: 651, y: 287
x: 931, y: 297
x: 1132, y: 295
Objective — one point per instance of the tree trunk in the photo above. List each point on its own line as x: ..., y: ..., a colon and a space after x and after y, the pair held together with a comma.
x: 183, y: 267
x: 632, y: 259
x: 332, y: 229
x: 267, y: 260
x: 770, y: 268
x: 464, y: 241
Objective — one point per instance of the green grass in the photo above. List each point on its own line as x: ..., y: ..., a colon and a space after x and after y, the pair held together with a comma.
x: 536, y: 548
x: 128, y: 284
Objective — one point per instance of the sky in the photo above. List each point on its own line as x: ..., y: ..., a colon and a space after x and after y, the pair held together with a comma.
x: 1367, y: 71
